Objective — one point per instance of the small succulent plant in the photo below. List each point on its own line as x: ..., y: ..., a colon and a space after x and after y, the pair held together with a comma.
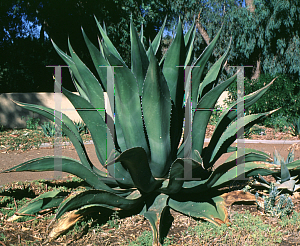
x: 285, y: 181
x: 49, y: 128
x: 274, y: 203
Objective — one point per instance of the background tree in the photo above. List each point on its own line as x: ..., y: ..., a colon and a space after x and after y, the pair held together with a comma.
x: 60, y: 19
x: 265, y: 33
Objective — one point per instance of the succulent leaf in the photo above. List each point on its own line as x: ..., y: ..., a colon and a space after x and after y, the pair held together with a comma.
x: 46, y: 200
x: 174, y: 74
x: 94, y: 121
x: 68, y: 128
x: 156, y: 41
x: 199, y: 68
x: 108, y: 43
x: 203, y: 113
x: 210, y: 209
x: 212, y: 75
x: 251, y: 155
x: 96, y: 197
x: 139, y: 59
x: 129, y: 113
x: 151, y: 172
x: 94, y: 90
x: 229, y: 134
x: 69, y: 61
x: 68, y: 165
x: 98, y: 60
x: 136, y: 162
x: 230, y: 114
x: 156, y: 105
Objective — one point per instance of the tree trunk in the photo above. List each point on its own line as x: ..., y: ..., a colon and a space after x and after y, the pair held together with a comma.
x: 202, y: 30
x: 42, y: 34
x: 250, y: 5
x: 257, y: 70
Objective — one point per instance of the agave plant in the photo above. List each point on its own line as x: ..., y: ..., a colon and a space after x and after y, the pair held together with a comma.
x: 148, y: 172
x: 285, y: 181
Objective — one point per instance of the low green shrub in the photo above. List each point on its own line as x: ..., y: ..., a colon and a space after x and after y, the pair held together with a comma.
x: 31, y: 123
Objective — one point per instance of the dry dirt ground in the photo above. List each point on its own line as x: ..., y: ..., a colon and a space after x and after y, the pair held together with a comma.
x: 35, y: 231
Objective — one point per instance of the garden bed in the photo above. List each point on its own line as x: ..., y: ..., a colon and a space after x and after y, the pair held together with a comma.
x: 248, y: 224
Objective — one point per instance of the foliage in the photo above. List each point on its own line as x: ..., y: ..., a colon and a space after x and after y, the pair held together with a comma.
x: 245, y: 229
x: 147, y: 172
x: 81, y: 127
x: 49, y: 128
x: 275, y: 205
x: 285, y: 181
x: 31, y: 123
x: 285, y: 93
x: 254, y: 130
x: 23, y: 66
x: 265, y: 32
x: 27, y: 27
x: 295, y: 127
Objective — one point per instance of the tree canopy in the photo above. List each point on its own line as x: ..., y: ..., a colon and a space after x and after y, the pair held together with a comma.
x: 60, y: 20
x: 264, y: 33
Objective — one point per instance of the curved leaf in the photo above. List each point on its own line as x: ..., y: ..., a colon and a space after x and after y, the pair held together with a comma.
x: 98, y: 60
x: 156, y: 105
x: 69, y: 165
x: 68, y: 128
x: 179, y: 174
x: 212, y: 74
x: 68, y: 60
x: 136, y: 162
x: 70, y: 218
x: 210, y: 209
x: 97, y: 197
x: 139, y: 59
x: 160, y: 219
x: 94, y: 122
x: 251, y: 155
x: 230, y: 114
x: 250, y: 169
x: 199, y: 67
x: 203, y: 113
x: 229, y: 135
x: 46, y: 200
x: 78, y: 87
x: 108, y: 43
x: 94, y: 90
x: 156, y: 42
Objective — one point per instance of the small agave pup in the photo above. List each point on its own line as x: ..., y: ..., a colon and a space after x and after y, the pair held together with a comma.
x: 148, y: 167
x: 285, y: 181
